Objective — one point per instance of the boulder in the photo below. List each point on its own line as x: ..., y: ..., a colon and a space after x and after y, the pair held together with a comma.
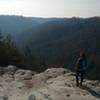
x: 23, y: 74
x: 8, y: 77
x: 54, y: 72
x: 10, y: 69
x: 43, y: 77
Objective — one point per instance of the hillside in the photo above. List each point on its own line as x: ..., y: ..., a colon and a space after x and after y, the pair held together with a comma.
x: 16, y: 24
x: 63, y: 34
x: 52, y: 84
x: 59, y: 41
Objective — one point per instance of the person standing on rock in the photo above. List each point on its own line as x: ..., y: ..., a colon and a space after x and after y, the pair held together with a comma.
x: 80, y: 68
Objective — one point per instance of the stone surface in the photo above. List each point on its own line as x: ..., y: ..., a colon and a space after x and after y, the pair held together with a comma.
x: 10, y: 69
x: 23, y: 74
x: 52, y: 84
x: 31, y: 97
x: 3, y: 98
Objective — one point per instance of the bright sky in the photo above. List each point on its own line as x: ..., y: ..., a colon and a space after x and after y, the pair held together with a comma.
x: 50, y: 8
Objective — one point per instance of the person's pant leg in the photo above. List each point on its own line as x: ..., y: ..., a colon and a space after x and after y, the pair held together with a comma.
x: 82, y: 76
x: 77, y: 77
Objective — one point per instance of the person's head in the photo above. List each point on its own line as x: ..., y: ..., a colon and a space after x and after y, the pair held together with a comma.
x: 82, y: 54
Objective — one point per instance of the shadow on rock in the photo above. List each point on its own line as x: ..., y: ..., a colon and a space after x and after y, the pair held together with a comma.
x: 92, y: 91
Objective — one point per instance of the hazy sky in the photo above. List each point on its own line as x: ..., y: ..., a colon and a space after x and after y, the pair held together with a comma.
x: 50, y: 8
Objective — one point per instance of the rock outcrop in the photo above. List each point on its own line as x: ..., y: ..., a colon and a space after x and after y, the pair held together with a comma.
x: 52, y: 84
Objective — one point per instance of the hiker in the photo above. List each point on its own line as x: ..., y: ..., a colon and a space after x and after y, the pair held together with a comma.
x: 80, y: 68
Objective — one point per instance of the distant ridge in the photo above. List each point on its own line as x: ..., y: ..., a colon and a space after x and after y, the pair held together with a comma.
x: 57, y: 40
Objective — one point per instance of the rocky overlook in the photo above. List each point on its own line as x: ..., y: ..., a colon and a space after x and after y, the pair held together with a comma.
x: 52, y: 84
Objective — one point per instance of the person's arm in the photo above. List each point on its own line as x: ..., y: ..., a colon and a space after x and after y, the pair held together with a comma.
x: 77, y: 64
